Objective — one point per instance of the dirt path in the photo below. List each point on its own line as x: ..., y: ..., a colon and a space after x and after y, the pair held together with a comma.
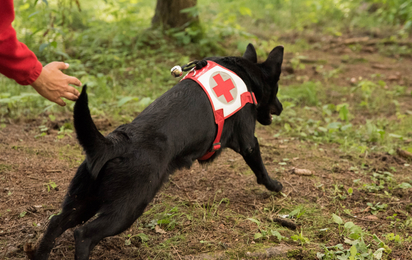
x: 28, y: 164
x: 210, y: 209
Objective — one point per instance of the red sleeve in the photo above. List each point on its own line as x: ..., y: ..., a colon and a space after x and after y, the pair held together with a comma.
x: 16, y: 60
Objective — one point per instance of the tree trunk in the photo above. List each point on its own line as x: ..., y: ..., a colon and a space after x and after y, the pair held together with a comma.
x: 168, y: 14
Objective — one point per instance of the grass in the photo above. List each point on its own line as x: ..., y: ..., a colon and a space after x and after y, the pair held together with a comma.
x: 111, y: 50
x: 261, y: 232
x: 347, y: 131
x: 367, y: 113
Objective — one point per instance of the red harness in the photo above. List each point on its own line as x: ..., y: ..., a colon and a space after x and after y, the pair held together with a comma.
x: 221, y: 89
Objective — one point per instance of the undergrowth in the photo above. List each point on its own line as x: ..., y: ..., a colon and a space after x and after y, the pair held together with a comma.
x: 126, y: 65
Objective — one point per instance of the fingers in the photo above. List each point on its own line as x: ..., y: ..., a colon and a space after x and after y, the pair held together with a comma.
x: 59, y: 65
x: 60, y: 102
x: 62, y: 66
x: 73, y: 91
x: 74, y: 81
x: 70, y: 96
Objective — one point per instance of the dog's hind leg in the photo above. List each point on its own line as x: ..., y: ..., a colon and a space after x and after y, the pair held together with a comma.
x: 107, y: 224
x: 253, y: 158
x: 74, y: 212
x: 78, y: 207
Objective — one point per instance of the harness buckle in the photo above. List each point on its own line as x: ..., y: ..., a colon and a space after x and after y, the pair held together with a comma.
x: 216, y: 146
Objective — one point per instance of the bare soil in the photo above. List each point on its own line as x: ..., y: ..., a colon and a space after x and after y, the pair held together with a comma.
x: 29, y: 166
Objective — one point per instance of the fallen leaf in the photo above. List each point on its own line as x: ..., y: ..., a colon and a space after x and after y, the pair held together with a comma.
x: 356, y: 211
x: 302, y: 171
x: 355, y: 40
x: 368, y: 49
x: 380, y: 66
x: 393, y: 77
x: 159, y: 230
x: 371, y: 217
x: 404, y: 154
x: 283, y: 146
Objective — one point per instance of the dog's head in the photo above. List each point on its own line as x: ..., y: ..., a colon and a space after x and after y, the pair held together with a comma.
x: 269, y: 104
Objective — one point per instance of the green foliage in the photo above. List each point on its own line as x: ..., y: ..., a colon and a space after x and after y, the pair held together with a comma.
x: 143, y: 237
x: 354, y: 237
x: 22, y: 214
x: 377, y: 207
x: 396, y: 12
x: 301, y: 238
x: 265, y: 234
x: 127, y: 66
x: 277, y: 235
x: 52, y: 215
x: 167, y: 218
x: 305, y: 94
x: 109, y: 47
x: 298, y: 212
x: 392, y: 237
x: 331, y: 16
x: 338, y: 220
x: 51, y: 185
x: 64, y: 131
x: 405, y: 185
x: 309, y: 115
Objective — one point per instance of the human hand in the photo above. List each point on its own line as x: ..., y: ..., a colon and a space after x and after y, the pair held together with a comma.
x: 54, y: 84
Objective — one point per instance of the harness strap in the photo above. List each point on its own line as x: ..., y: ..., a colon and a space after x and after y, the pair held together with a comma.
x: 246, y: 97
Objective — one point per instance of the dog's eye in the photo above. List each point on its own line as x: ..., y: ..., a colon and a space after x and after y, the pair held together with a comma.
x: 117, y: 160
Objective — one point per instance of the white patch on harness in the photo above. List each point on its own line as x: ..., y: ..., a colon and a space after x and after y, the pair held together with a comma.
x: 224, y: 89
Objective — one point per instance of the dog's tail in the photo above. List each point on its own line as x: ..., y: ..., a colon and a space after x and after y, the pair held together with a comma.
x: 92, y: 141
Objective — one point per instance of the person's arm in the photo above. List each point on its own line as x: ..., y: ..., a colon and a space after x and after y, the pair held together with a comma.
x: 19, y: 63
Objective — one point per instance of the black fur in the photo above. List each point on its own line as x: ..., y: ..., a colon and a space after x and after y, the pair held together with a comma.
x: 124, y: 170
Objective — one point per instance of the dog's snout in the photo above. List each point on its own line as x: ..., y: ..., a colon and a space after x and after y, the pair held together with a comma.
x: 276, y: 108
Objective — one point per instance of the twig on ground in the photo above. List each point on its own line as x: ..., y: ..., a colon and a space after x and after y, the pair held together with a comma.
x: 286, y: 195
x: 5, y: 253
x: 398, y: 202
x: 174, y: 183
x: 369, y: 220
x: 283, y: 222
x: 376, y: 226
x: 291, y: 186
x: 404, y: 154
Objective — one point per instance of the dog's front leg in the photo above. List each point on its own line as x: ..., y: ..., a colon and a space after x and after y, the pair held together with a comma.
x: 254, y: 160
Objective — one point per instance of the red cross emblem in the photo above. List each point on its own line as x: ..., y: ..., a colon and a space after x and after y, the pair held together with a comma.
x: 223, y: 87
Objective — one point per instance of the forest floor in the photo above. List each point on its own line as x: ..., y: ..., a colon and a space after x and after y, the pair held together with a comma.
x: 219, y: 211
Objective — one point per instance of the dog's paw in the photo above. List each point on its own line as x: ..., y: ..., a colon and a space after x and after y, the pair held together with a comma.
x: 273, y: 185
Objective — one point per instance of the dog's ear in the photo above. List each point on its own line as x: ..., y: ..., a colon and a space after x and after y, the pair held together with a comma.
x: 273, y: 64
x: 250, y: 53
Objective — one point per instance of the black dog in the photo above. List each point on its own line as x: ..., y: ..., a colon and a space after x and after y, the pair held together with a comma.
x: 124, y: 170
